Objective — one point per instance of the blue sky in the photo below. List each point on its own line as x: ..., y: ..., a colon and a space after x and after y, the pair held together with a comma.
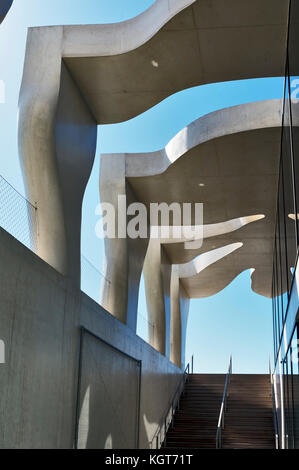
x: 235, y: 320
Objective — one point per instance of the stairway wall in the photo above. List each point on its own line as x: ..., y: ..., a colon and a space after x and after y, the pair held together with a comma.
x: 40, y: 317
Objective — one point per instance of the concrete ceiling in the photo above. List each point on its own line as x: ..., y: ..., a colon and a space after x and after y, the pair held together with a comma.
x: 240, y: 174
x: 209, y: 41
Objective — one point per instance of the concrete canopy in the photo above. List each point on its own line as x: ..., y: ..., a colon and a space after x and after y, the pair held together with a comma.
x: 78, y: 76
x: 4, y: 8
x: 234, y: 173
x: 208, y: 41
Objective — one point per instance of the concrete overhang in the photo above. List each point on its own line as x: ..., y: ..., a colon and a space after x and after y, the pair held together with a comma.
x: 78, y: 76
x: 229, y: 161
x: 123, y: 69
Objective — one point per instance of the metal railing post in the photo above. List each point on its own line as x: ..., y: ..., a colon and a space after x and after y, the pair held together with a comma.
x: 274, y: 407
x: 223, y: 407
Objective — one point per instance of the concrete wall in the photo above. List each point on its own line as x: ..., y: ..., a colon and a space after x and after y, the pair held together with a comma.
x: 40, y: 317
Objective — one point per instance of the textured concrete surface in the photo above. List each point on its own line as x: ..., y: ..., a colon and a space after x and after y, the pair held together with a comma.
x: 124, y: 69
x: 120, y: 70
x: 123, y: 257
x: 57, y: 142
x: 40, y: 318
x: 179, y: 302
x: 157, y: 278
x: 228, y: 160
x: 4, y: 8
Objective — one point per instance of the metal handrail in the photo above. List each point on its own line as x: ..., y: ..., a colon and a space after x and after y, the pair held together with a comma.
x: 223, y: 406
x: 159, y: 437
x: 275, y: 420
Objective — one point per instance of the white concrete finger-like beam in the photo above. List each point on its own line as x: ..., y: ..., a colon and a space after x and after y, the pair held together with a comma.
x: 183, y: 234
x: 234, y: 173
x: 201, y: 262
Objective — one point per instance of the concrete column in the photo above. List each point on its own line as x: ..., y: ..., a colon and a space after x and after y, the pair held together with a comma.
x: 57, y: 142
x: 124, y: 257
x: 157, y: 275
x: 179, y: 316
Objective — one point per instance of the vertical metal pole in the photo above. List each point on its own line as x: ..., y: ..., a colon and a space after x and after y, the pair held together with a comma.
x: 192, y: 364
x: 78, y: 388
x: 139, y: 366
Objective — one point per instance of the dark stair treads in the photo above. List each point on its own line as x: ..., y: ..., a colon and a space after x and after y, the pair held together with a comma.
x: 248, y: 419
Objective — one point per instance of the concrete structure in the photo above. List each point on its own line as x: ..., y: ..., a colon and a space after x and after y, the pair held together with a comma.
x: 239, y: 215
x: 41, y: 313
x: 61, y: 102
x: 110, y: 73
x: 4, y: 8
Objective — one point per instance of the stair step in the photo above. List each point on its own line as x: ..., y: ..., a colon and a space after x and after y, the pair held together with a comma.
x: 248, y: 418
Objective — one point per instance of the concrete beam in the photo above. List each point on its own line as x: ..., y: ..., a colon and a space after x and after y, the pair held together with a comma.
x: 57, y: 142
x: 228, y: 160
x: 172, y: 46
x: 179, y: 302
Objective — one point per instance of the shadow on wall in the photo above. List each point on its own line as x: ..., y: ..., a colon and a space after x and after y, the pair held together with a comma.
x: 4, y: 8
x: 115, y: 400
x: 108, y: 397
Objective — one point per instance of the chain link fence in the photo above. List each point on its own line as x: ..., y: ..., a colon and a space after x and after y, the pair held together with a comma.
x: 19, y: 218
x: 17, y: 215
x: 91, y: 279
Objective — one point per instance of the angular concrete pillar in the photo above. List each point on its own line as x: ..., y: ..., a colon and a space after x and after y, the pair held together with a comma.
x: 124, y: 256
x: 157, y: 275
x: 179, y: 302
x: 57, y: 142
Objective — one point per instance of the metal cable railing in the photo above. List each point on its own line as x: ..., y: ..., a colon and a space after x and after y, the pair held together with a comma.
x: 20, y: 218
x: 17, y: 215
x: 91, y: 279
x: 159, y: 437
x: 223, y: 407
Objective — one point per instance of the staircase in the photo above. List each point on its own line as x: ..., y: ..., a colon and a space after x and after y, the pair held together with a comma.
x: 248, y: 418
x: 195, y: 421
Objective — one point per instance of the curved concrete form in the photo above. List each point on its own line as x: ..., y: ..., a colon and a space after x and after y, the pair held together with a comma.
x: 110, y: 73
x: 237, y: 175
x: 220, y: 123
x: 4, y: 8
x: 172, y: 46
x: 166, y: 298
x: 76, y: 77
x: 201, y: 262
x: 207, y: 231
x: 234, y: 173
